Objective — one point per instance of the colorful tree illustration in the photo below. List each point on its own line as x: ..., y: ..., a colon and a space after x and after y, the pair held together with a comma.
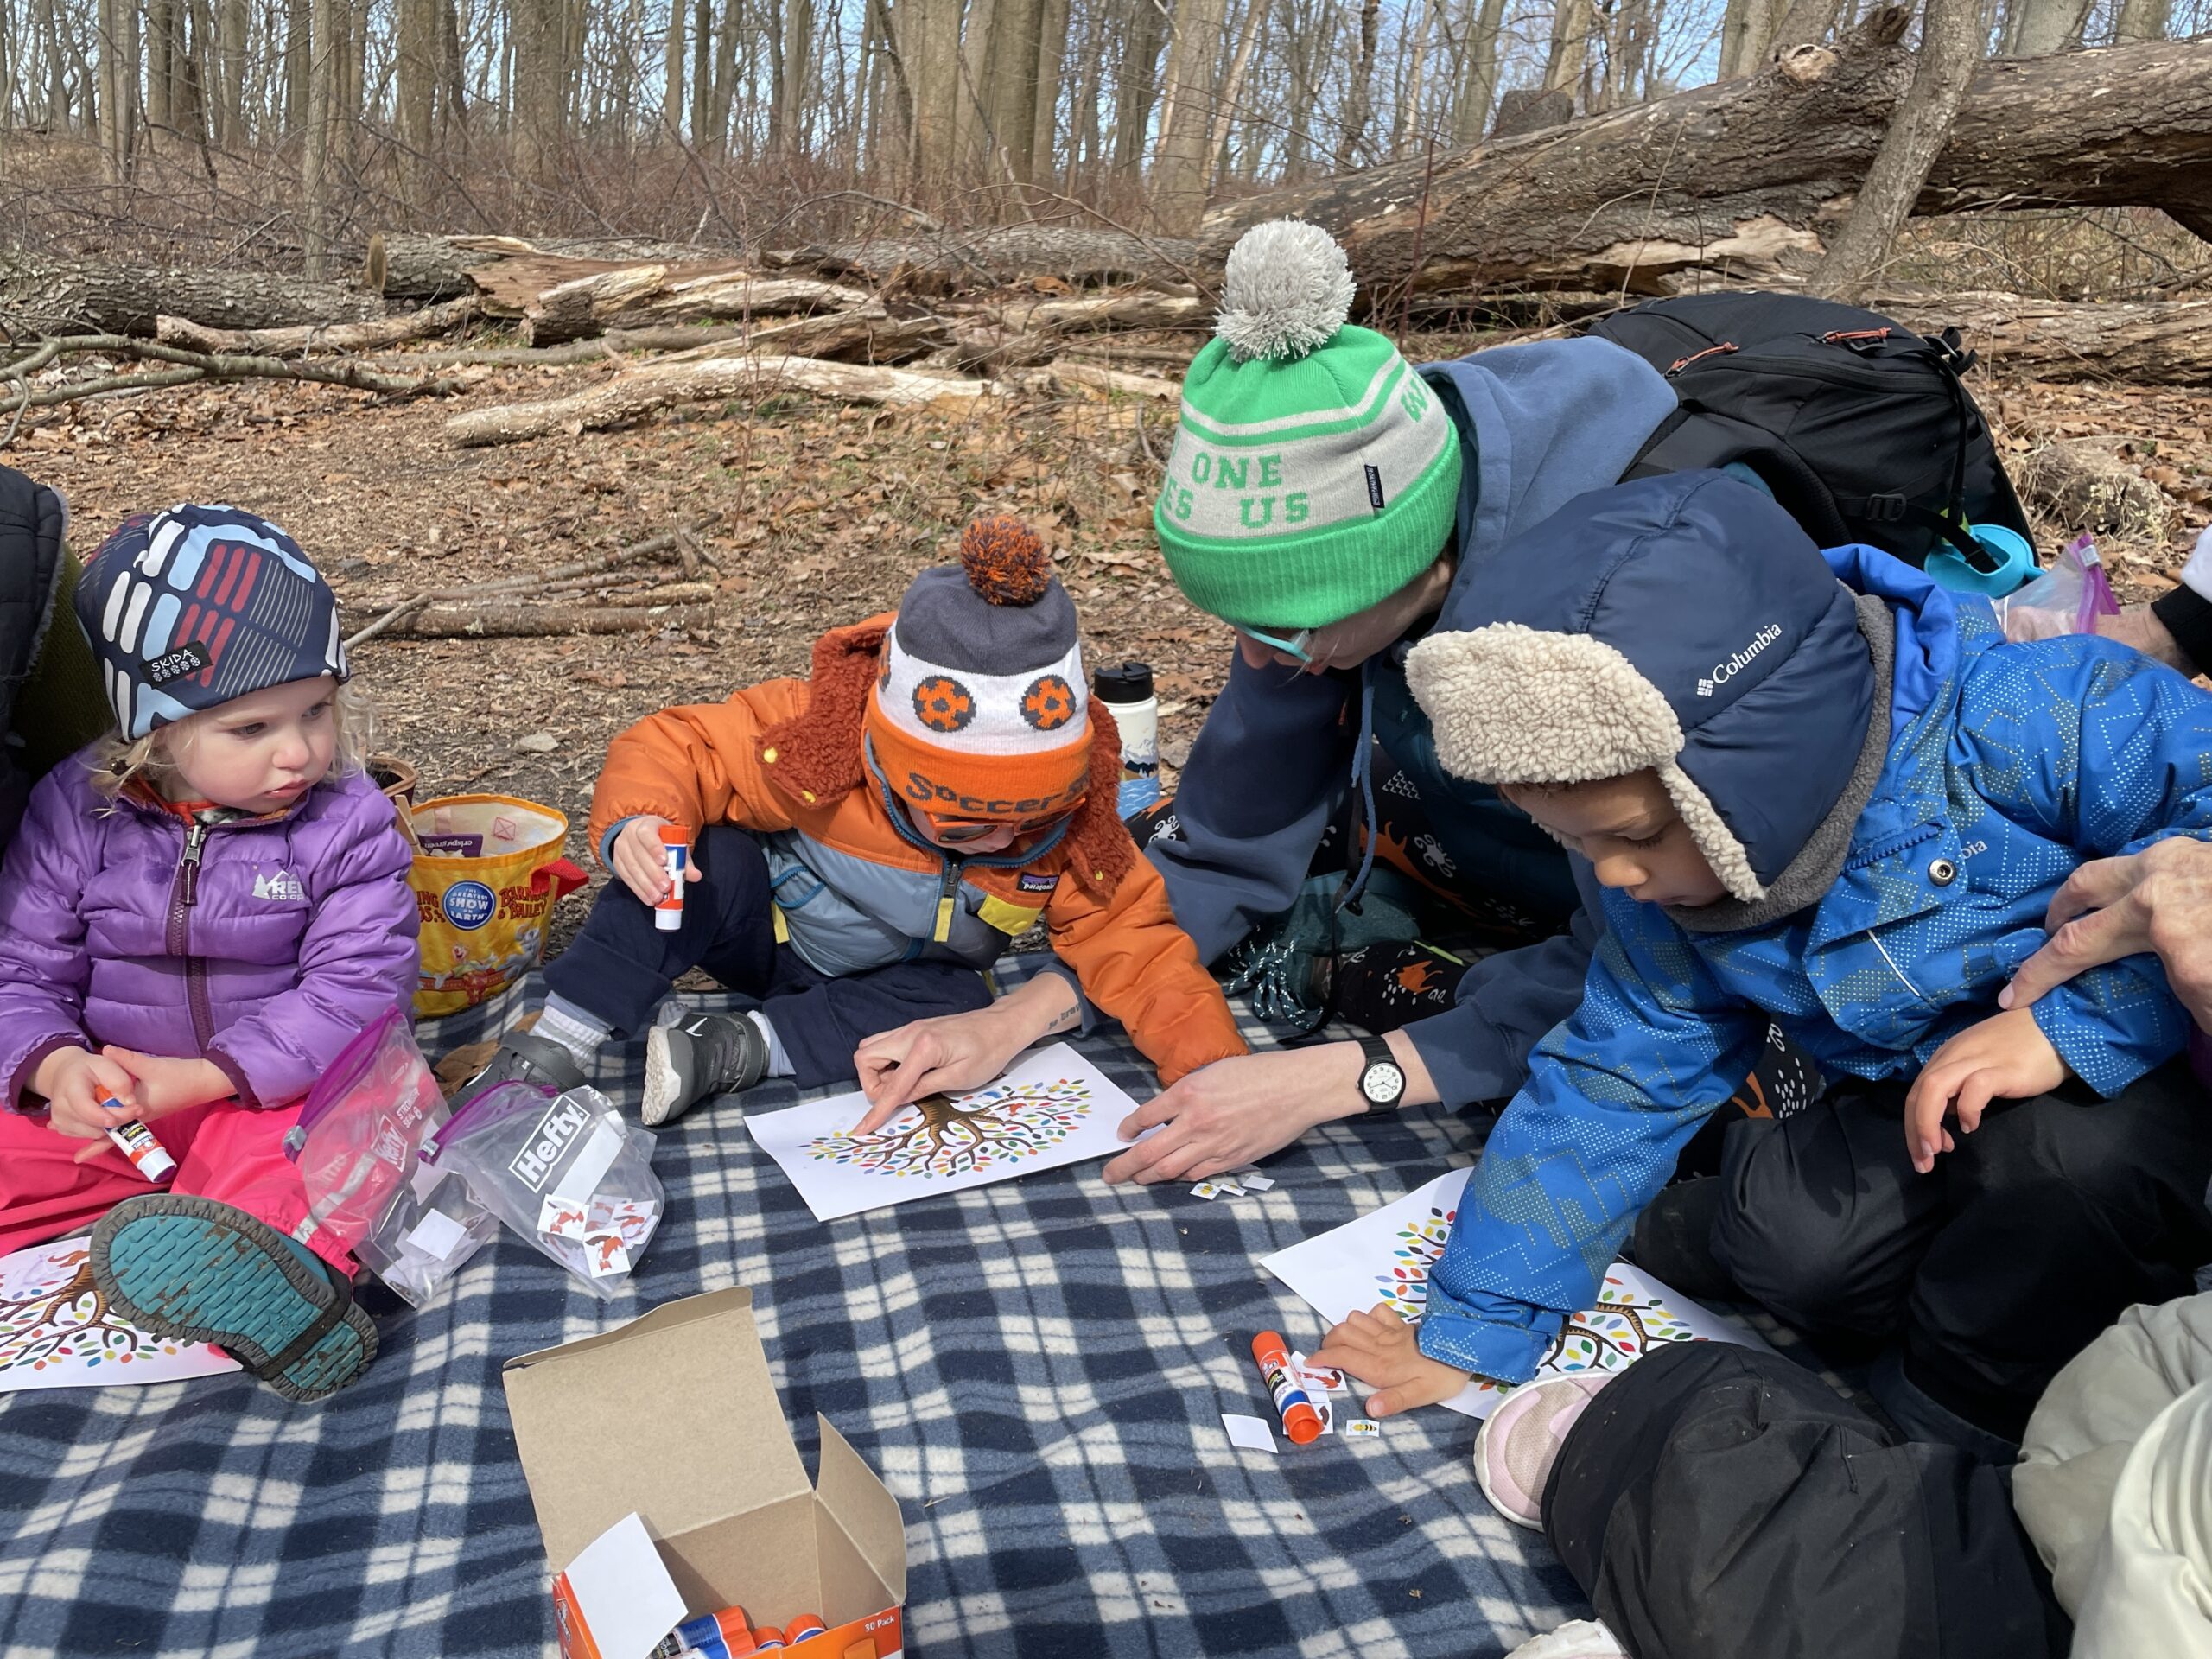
x: 60, y: 1317
x: 977, y: 1132
x: 1404, y: 1282
x: 1621, y: 1329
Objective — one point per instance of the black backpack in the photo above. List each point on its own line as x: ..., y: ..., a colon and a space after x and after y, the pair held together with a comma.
x: 1860, y: 426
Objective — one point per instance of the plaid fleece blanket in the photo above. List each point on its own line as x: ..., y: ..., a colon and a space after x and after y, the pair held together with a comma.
x: 1038, y: 1369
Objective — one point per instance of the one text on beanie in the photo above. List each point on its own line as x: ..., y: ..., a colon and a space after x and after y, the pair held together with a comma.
x: 1314, y: 472
x: 188, y: 608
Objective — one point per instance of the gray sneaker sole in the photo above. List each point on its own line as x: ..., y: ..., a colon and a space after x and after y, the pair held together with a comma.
x: 670, y: 1084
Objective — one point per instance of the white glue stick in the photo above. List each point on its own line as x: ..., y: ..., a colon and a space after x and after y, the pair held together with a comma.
x: 675, y: 857
x: 136, y: 1142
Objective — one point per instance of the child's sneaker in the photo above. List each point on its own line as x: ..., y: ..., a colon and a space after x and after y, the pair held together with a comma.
x: 180, y: 1266
x: 701, y: 1055
x: 1519, y: 1442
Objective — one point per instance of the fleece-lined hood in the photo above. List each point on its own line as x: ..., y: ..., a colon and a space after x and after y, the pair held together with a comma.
x: 1685, y: 624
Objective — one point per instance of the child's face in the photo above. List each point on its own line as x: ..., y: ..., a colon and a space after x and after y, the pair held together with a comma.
x: 1628, y: 830
x: 258, y: 753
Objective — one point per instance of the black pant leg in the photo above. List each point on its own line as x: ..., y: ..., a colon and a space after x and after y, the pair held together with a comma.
x: 1824, y: 1219
x: 822, y: 1021
x: 620, y: 965
x: 2062, y: 1211
x: 1714, y: 1501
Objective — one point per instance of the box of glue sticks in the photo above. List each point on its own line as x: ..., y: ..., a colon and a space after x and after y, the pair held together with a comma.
x: 668, y: 1487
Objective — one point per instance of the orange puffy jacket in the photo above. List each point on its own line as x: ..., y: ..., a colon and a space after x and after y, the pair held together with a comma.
x: 856, y: 888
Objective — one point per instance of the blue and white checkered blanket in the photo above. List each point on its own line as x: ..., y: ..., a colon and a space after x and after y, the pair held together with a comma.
x: 1038, y: 1369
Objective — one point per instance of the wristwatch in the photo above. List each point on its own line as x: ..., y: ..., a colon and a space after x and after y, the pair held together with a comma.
x: 1381, y: 1080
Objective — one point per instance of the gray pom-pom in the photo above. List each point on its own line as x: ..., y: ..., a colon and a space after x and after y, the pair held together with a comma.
x: 1285, y: 291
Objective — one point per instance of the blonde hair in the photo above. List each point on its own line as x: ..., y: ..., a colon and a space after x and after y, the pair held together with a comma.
x: 120, y: 762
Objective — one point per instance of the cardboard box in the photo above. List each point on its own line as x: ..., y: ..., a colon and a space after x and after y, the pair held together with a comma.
x: 673, y: 1417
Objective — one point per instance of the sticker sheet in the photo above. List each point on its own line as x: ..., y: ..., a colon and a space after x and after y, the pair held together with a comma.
x: 56, y: 1330
x: 1053, y: 1106
x: 1385, y: 1255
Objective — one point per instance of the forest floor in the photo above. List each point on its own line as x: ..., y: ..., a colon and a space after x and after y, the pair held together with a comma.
x: 827, y: 511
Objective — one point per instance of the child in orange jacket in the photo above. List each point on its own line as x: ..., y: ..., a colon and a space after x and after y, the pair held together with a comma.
x: 862, y: 844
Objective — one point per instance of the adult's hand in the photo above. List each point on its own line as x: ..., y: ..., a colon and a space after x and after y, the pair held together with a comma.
x: 1224, y: 1115
x: 2157, y: 900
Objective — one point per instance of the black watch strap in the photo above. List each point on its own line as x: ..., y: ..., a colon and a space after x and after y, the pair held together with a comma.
x: 1375, y: 1050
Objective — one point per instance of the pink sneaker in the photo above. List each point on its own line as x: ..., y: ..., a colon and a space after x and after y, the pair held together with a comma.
x: 1518, y: 1443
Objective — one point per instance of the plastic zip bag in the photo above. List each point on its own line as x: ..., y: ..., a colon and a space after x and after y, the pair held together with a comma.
x: 359, y: 1134
x: 426, y: 1234
x: 565, y: 1171
x: 2068, y: 598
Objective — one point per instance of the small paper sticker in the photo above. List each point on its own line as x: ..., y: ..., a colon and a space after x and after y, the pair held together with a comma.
x: 604, y: 1255
x: 563, y: 1219
x: 437, y: 1235
x: 1256, y: 1183
x: 1227, y: 1183
x: 1359, y: 1428
x: 630, y: 1219
x: 1206, y: 1190
x: 1250, y: 1432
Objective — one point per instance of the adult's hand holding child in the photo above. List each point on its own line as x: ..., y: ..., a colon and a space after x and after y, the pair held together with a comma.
x: 1381, y: 1350
x: 2157, y: 900
x: 639, y: 863
x: 2006, y: 1057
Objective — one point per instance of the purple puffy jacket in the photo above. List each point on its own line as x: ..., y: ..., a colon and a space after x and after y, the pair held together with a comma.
x: 287, y: 936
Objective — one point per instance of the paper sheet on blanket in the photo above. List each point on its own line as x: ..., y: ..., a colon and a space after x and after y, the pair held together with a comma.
x: 57, y: 1331
x: 1385, y: 1256
x: 1052, y: 1107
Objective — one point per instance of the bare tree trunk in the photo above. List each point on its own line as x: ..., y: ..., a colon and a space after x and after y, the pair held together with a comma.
x: 538, y: 102
x: 1807, y: 21
x: 1012, y: 85
x: 794, y: 74
x: 299, y: 64
x: 233, y: 21
x: 1363, y: 83
x: 315, y: 165
x: 1950, y: 47
x: 1570, y: 48
x: 671, y: 97
x: 2040, y: 27
x: 1478, y: 75
x: 1051, y: 61
x: 1232, y: 89
x: 119, y: 100
x: 1182, y: 160
x: 2144, y: 20
x: 417, y: 76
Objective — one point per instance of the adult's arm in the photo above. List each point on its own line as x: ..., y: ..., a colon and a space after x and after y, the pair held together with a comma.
x: 1268, y: 768
x: 1478, y: 1048
x: 2158, y: 901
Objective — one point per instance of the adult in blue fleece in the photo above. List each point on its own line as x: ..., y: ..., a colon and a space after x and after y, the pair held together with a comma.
x: 1274, y: 764
x: 1887, y: 795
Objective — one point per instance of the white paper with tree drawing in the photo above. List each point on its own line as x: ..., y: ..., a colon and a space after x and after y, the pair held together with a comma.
x: 57, y: 1330
x: 1053, y: 1106
x: 1384, y: 1257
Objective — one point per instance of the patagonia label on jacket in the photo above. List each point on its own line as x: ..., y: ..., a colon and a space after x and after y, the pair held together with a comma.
x: 564, y: 1120
x: 1036, y: 881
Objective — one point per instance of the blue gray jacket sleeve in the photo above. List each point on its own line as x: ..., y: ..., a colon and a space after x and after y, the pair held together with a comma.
x: 2136, y: 769
x: 1270, y: 766
x: 1478, y: 1050
x: 1655, y: 1046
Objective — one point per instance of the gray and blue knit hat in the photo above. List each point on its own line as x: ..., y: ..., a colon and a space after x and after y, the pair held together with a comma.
x: 189, y: 609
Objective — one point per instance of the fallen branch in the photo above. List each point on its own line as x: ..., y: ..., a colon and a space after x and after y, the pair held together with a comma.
x: 426, y: 324
x: 657, y: 385
x: 535, y: 621
x: 558, y: 578
x: 635, y: 296
x: 1094, y: 378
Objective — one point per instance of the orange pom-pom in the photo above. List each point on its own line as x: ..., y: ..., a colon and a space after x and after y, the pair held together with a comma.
x: 1005, y: 561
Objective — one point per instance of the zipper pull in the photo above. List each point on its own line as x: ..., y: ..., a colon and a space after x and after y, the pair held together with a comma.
x: 947, y: 902
x: 188, y: 871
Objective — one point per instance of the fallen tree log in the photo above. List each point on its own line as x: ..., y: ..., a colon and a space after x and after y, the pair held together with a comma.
x: 46, y: 296
x: 947, y: 262
x: 1741, y: 177
x: 632, y: 296
x: 426, y: 324
x: 2164, y: 343
x: 659, y: 385
x: 2088, y: 484
x: 403, y: 266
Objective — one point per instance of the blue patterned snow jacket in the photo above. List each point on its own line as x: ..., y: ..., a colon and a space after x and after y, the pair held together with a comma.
x: 2008, y: 765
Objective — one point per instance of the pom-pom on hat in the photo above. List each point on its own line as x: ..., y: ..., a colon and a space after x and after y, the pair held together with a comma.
x: 980, y: 709
x: 1314, y: 472
x: 188, y: 608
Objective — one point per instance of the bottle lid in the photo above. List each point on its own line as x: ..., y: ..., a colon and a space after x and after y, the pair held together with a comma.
x: 1123, y: 682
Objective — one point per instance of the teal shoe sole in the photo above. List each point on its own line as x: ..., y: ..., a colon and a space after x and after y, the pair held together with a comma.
x: 193, y: 1268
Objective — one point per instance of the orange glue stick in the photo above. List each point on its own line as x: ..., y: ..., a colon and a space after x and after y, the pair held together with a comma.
x: 675, y: 857
x: 1299, y: 1420
x: 136, y: 1142
x: 805, y: 1625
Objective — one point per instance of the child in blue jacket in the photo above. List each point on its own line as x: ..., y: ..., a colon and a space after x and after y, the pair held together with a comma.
x: 1818, y: 788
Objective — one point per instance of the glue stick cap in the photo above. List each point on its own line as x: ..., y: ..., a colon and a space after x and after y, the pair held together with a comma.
x: 674, y: 834
x: 766, y: 1638
x: 805, y: 1625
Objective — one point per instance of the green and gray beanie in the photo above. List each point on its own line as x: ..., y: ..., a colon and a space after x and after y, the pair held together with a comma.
x: 1313, y: 473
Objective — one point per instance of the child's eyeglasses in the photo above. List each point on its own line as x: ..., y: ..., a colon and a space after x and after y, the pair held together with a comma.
x: 1299, y: 644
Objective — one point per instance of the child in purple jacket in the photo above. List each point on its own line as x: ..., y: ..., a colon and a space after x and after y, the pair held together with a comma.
x: 197, y: 915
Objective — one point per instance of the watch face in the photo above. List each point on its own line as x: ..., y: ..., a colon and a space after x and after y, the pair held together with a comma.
x: 1382, y: 1082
